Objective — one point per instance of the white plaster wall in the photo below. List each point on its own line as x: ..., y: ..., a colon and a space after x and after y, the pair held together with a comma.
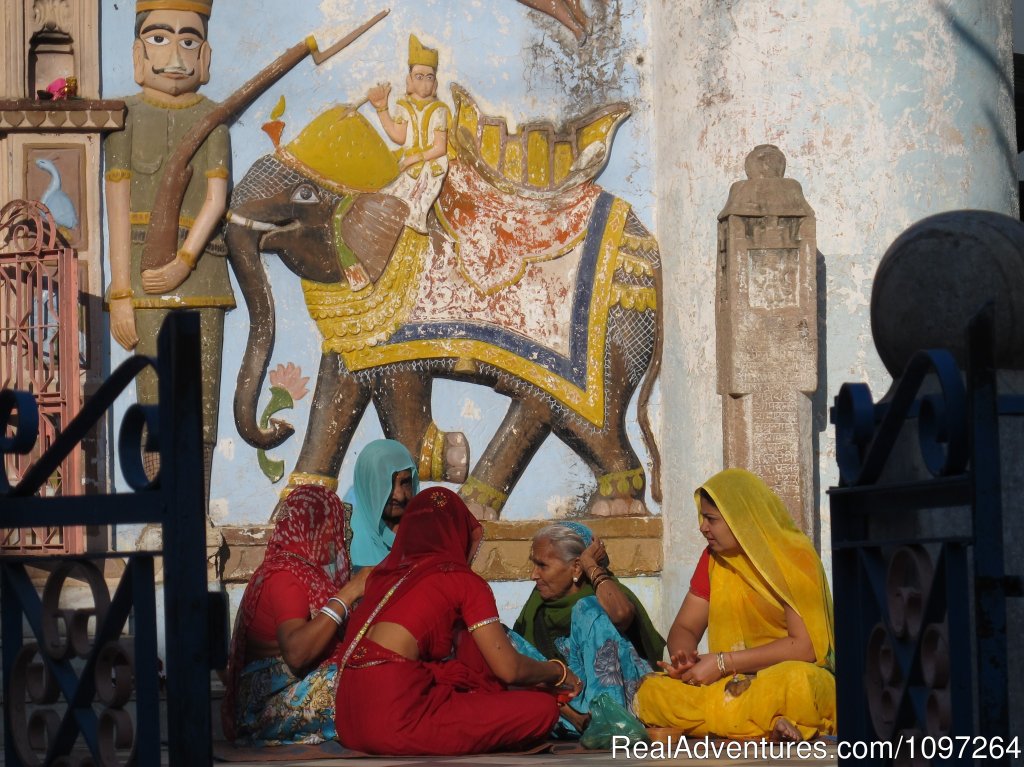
x: 887, y: 111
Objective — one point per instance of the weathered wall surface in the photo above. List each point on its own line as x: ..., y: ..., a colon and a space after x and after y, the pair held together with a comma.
x: 886, y: 111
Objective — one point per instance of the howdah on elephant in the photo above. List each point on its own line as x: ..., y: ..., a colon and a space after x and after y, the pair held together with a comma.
x: 530, y: 279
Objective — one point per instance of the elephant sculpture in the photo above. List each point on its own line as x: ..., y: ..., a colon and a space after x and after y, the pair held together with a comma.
x: 531, y: 280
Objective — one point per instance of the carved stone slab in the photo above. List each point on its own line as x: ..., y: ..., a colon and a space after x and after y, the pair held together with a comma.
x: 633, y: 545
x: 767, y: 330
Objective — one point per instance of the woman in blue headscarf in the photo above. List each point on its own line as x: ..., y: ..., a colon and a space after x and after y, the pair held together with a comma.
x: 579, y: 613
x: 385, y: 481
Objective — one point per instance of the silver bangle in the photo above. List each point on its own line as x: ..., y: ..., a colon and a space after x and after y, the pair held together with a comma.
x: 342, y: 603
x: 325, y: 610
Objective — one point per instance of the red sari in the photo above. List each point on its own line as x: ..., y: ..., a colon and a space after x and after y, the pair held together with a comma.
x: 447, y: 702
x: 309, y: 535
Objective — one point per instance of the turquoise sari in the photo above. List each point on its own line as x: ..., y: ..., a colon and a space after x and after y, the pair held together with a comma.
x: 605, y: 660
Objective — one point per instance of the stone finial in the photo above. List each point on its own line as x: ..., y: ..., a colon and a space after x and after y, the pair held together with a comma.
x: 937, y: 275
x: 766, y: 192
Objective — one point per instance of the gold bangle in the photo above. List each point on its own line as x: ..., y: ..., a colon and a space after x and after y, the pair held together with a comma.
x: 187, y: 258
x: 117, y: 295
x: 565, y: 671
x: 720, y: 660
x: 382, y: 109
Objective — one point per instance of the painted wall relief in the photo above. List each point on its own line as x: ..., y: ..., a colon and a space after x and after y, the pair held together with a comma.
x: 171, y: 61
x: 55, y: 175
x: 167, y: 181
x: 522, y: 275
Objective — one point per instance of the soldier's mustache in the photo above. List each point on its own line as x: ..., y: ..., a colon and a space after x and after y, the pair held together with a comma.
x: 174, y: 70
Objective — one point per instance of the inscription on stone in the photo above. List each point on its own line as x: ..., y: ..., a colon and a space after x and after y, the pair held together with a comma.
x: 774, y: 275
x: 767, y: 331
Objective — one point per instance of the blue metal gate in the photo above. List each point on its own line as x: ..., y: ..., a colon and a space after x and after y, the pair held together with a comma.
x: 76, y: 653
x: 918, y: 565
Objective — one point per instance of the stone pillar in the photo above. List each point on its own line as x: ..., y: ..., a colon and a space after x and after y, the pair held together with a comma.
x: 767, y: 330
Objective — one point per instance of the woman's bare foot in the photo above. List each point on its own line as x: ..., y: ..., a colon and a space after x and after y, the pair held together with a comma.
x: 576, y: 719
x: 785, y: 730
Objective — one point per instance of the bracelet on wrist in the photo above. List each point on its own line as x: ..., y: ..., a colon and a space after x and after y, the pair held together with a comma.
x: 188, y: 258
x: 565, y: 671
x: 325, y: 610
x: 342, y: 603
x: 117, y: 295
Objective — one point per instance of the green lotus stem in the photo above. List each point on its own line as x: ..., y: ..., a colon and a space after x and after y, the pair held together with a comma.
x: 280, y: 400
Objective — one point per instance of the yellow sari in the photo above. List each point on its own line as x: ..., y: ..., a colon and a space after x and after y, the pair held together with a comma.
x: 777, y: 566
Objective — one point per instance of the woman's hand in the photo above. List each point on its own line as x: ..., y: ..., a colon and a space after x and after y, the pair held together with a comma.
x: 679, y: 663
x: 570, y: 687
x: 704, y: 671
x: 356, y: 586
x: 592, y: 557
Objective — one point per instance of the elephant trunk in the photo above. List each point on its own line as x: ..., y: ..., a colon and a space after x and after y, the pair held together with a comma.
x: 244, y: 247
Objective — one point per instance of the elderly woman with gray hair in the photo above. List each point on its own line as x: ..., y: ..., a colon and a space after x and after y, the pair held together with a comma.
x: 581, y: 614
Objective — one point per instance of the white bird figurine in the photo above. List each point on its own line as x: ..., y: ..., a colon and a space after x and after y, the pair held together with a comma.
x: 56, y: 199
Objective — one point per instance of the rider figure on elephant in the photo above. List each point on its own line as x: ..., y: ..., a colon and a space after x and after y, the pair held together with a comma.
x: 421, y: 128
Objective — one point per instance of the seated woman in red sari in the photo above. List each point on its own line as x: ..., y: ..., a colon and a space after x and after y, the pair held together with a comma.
x: 427, y: 665
x: 280, y: 677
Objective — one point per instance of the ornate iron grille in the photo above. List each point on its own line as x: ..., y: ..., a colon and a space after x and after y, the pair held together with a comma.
x: 39, y: 354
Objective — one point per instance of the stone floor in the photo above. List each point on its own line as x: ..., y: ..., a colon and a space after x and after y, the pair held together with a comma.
x: 542, y: 760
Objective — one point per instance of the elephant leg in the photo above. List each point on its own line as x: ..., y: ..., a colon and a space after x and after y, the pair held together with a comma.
x: 402, y: 399
x: 338, y: 403
x: 608, y: 453
x: 526, y: 425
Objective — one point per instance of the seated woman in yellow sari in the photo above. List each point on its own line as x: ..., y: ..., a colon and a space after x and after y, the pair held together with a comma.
x: 768, y: 613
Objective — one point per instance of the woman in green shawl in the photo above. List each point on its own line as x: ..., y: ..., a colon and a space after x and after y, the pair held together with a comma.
x: 581, y: 614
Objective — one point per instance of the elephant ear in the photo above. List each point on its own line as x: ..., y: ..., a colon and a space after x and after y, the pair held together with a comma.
x: 341, y: 151
x: 370, y: 228
x: 541, y: 160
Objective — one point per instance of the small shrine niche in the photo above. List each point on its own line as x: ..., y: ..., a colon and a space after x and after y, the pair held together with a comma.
x: 51, y: 55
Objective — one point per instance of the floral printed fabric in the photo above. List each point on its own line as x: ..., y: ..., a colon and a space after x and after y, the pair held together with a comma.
x: 275, y: 708
x: 598, y: 654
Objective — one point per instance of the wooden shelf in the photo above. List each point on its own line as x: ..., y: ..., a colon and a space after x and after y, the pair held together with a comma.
x: 72, y: 115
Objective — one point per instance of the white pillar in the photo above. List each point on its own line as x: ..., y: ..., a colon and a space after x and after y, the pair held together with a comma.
x: 887, y: 111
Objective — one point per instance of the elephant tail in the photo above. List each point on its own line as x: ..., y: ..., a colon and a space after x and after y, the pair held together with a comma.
x: 650, y: 376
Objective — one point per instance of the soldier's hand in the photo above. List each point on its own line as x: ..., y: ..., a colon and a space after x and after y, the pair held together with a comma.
x: 166, y: 278
x: 122, y: 323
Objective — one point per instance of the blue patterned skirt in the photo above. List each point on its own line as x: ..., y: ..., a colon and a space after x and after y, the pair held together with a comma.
x: 276, y: 708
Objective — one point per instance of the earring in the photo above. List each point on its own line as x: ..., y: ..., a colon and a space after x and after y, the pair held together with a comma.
x: 575, y: 579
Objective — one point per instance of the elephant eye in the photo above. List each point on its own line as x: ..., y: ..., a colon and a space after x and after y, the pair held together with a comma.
x: 306, y: 193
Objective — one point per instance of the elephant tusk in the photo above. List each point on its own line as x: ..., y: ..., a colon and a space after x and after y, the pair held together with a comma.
x: 248, y: 223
